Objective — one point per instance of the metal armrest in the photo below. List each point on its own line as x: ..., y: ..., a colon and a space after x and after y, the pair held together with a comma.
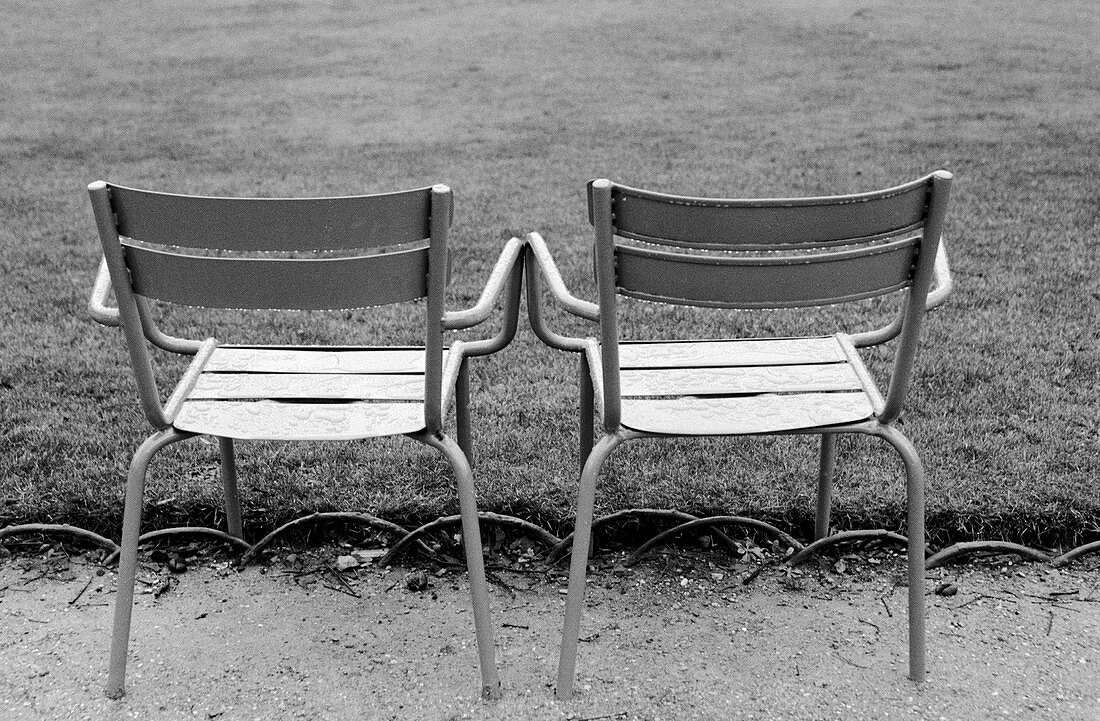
x: 942, y: 281
x: 506, y: 280
x: 569, y: 302
x: 494, y: 288
x: 539, y: 263
x: 942, y: 284
x: 97, y: 303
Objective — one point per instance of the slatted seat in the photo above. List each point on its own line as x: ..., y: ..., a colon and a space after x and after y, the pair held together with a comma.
x: 748, y: 254
x: 743, y: 387
x: 318, y: 394
x: 294, y: 254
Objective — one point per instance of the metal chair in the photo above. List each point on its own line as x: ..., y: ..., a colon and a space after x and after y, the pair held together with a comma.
x: 303, y: 254
x: 749, y: 254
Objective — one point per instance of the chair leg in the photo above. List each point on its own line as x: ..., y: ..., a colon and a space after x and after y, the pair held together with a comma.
x: 582, y: 537
x: 915, y: 481
x: 825, y: 485
x: 587, y: 410
x: 475, y: 563
x: 127, y: 562
x: 462, y: 411
x: 229, y: 485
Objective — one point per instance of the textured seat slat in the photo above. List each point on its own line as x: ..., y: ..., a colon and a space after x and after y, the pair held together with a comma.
x: 741, y: 415
x: 740, y: 380
x: 357, y: 386
x: 695, y: 354
x: 318, y: 360
x: 272, y: 420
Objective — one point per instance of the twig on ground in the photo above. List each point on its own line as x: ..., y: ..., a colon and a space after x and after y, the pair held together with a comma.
x: 493, y: 578
x: 1074, y: 592
x: 752, y: 576
x: 888, y: 613
x: 343, y: 581
x: 1051, y: 599
x: 979, y: 597
x: 82, y: 590
x: 341, y: 589
x: 524, y: 626
x: 304, y: 572
x: 849, y: 661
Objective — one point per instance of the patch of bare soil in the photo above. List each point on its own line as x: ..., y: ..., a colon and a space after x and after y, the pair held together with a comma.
x: 683, y: 635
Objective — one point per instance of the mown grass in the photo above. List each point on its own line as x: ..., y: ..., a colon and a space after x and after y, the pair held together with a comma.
x: 516, y: 105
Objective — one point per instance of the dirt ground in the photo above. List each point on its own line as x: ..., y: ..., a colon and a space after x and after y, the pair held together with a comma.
x: 684, y: 635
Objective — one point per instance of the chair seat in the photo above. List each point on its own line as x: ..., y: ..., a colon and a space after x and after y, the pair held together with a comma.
x: 743, y: 386
x: 309, y: 393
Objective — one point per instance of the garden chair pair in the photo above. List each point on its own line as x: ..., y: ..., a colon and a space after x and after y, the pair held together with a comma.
x: 382, y: 249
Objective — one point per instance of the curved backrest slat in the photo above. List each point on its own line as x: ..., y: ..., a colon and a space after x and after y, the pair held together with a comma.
x: 707, y: 223
x: 764, y: 282
x: 277, y: 224
x: 279, y: 283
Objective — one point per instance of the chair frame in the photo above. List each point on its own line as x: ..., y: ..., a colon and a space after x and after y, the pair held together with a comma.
x: 132, y: 313
x: 928, y: 287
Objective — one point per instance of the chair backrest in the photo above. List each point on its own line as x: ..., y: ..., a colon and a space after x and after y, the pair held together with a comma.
x: 273, y: 253
x: 766, y: 253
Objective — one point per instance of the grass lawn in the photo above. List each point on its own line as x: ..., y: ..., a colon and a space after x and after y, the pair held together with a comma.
x: 516, y: 105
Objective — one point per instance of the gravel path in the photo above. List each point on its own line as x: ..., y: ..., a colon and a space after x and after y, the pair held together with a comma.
x: 680, y: 637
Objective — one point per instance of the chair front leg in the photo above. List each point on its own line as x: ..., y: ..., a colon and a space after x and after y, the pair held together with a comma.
x: 582, y: 538
x: 229, y: 486
x: 587, y: 410
x: 462, y: 411
x: 825, y: 485
x: 127, y: 562
x: 475, y: 563
x: 914, y: 482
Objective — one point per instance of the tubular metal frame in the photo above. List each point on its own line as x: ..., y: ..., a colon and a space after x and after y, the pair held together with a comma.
x: 133, y: 315
x: 927, y: 292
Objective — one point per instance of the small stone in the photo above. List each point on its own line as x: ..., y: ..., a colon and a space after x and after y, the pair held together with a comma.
x: 177, y: 564
x: 946, y: 589
x: 416, y: 581
x: 343, y: 563
x: 368, y: 556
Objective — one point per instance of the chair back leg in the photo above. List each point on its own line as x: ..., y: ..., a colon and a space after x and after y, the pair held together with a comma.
x: 229, y: 485
x: 825, y: 485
